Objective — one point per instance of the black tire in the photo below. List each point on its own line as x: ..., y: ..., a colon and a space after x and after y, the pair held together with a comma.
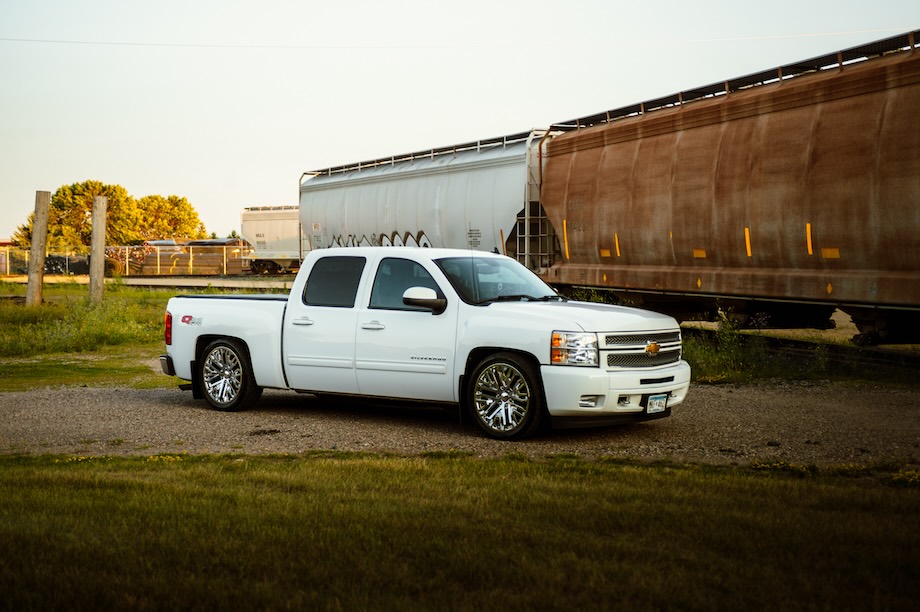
x: 225, y: 376
x: 505, y: 397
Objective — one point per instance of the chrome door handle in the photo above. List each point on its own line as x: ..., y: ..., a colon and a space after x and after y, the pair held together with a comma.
x: 373, y: 325
x: 302, y: 321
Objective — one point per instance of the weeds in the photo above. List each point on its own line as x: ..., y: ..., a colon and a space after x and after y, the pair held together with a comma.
x: 907, y: 478
x: 76, y: 327
x: 67, y: 322
x: 726, y: 356
x: 730, y: 356
x: 589, y: 294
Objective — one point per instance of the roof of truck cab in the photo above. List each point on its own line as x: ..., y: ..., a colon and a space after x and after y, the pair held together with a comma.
x: 426, y: 252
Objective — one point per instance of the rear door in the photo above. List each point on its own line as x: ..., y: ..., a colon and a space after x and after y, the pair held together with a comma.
x: 319, y: 328
x: 401, y: 351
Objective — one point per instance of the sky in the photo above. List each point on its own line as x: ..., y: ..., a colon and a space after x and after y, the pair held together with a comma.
x: 229, y: 102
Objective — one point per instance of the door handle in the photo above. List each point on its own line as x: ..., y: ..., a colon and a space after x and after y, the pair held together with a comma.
x: 302, y: 321
x: 373, y: 325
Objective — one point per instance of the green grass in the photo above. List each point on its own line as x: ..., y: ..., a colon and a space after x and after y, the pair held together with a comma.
x: 335, y: 531
x: 68, y: 323
x: 126, y: 366
x: 69, y: 341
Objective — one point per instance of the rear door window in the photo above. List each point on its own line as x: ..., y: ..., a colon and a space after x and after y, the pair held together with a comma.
x: 333, y: 282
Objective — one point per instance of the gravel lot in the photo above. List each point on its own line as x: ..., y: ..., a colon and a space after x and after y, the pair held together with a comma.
x: 821, y: 424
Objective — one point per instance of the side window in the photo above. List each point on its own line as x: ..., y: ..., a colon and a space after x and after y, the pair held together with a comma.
x: 333, y: 281
x: 394, y: 276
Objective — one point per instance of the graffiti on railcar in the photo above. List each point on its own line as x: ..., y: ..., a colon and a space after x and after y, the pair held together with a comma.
x: 418, y: 239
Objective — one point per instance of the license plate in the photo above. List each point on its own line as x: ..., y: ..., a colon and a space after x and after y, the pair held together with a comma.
x: 656, y: 403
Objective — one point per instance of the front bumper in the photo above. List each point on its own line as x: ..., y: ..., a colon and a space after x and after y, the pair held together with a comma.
x: 593, y: 395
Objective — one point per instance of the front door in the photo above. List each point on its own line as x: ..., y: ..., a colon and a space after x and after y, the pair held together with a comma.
x: 401, y: 351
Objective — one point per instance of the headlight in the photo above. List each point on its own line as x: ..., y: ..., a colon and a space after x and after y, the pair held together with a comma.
x: 572, y: 348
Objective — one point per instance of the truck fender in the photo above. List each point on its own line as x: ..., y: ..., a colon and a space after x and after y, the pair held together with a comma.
x: 200, y: 343
x: 472, y: 360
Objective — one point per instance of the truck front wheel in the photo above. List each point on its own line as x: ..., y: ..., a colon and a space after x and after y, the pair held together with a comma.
x: 505, y: 397
x: 226, y: 377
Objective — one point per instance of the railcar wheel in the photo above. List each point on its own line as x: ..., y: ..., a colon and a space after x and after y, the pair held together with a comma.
x: 259, y: 266
x: 226, y: 378
x: 505, y: 397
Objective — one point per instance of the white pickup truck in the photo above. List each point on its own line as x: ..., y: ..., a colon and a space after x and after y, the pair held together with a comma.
x: 459, y: 327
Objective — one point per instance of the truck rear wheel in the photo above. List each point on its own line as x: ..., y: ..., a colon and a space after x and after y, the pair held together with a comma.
x: 226, y: 378
x: 505, y: 397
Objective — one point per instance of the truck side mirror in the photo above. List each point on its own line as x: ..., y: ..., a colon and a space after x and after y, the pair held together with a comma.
x: 424, y: 297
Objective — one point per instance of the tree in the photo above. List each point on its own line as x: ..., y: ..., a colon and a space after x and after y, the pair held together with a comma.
x: 22, y: 237
x: 128, y: 221
x: 168, y: 217
x: 70, y: 217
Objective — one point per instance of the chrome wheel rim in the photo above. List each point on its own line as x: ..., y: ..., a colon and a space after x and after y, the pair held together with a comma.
x: 502, y: 397
x: 222, y: 375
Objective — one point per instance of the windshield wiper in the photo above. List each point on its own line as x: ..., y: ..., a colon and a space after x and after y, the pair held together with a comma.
x: 521, y: 297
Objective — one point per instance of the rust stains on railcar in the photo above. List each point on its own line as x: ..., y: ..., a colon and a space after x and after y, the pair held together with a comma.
x: 804, y: 189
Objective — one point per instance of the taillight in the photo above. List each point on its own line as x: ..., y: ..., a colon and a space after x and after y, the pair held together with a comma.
x: 168, y: 329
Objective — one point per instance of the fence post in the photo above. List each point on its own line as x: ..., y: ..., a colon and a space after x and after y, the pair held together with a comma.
x: 37, y: 250
x: 97, y: 251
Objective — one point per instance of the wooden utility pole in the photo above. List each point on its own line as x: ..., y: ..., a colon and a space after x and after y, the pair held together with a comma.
x: 37, y: 252
x: 97, y: 251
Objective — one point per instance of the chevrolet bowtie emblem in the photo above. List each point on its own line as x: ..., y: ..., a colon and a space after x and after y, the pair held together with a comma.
x: 652, y: 348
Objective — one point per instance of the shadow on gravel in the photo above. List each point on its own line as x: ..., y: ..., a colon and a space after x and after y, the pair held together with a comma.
x: 292, y: 404
x: 370, y: 410
x: 371, y: 414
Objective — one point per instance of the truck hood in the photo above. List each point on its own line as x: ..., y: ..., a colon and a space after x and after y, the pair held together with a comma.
x: 588, y: 316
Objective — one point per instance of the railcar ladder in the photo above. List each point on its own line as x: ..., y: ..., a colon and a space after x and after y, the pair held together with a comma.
x: 536, y: 241
x: 535, y: 237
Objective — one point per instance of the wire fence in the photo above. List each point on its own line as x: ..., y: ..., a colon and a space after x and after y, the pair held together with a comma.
x: 135, y: 261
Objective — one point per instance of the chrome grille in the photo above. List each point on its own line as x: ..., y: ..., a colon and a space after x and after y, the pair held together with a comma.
x: 641, y: 339
x: 630, y: 350
x: 641, y: 360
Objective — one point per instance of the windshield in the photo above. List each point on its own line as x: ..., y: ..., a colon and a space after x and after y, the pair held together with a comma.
x: 481, y: 280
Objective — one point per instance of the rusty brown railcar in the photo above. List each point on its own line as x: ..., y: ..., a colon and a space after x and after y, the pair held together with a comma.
x: 802, y: 191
